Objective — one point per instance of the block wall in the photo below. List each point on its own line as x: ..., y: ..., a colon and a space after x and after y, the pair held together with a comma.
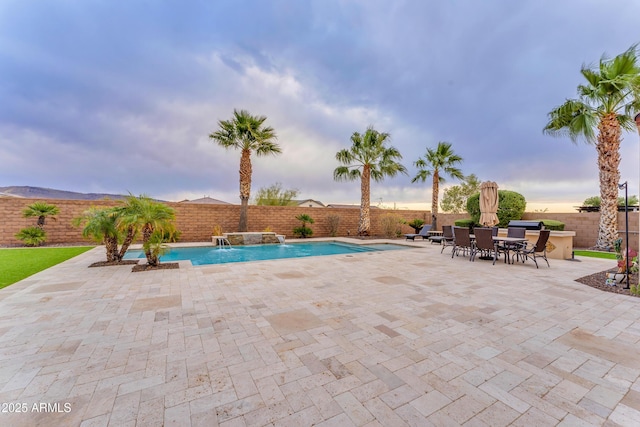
x: 196, y: 222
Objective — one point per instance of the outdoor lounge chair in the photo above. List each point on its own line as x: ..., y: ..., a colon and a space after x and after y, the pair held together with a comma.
x: 531, y: 251
x: 424, y: 233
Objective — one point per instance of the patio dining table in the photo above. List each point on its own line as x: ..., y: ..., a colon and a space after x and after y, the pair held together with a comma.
x: 503, y: 239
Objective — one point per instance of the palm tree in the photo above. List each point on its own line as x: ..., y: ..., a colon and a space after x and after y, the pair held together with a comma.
x: 151, y: 218
x: 606, y: 103
x: 437, y: 163
x: 367, y: 158
x: 246, y: 132
x: 42, y: 210
x: 101, y: 225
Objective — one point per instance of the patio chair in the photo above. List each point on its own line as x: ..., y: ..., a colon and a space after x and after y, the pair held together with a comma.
x: 484, y: 244
x: 424, y: 233
x: 534, y: 251
x: 447, y: 233
x: 461, y: 241
x: 506, y: 248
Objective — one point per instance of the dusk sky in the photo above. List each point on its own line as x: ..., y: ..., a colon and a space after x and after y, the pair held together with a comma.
x: 120, y: 96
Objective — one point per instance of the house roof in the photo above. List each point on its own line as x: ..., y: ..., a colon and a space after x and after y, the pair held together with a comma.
x: 299, y: 202
x: 337, y: 205
x: 206, y: 200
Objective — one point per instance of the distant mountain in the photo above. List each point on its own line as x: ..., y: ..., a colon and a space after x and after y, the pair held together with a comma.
x: 49, y: 193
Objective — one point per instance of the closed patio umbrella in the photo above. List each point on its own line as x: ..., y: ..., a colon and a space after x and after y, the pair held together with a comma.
x: 489, y: 204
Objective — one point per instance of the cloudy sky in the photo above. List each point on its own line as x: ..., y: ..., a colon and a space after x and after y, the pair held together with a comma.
x: 117, y: 96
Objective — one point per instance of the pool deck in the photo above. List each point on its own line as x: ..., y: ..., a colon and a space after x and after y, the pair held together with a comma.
x: 397, y: 338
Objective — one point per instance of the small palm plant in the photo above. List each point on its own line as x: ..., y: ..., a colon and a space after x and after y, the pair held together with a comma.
x: 41, y: 210
x: 36, y: 236
x: 156, y: 245
x: 145, y: 214
x: 416, y: 224
x: 304, y: 231
x: 32, y: 236
x: 100, y: 225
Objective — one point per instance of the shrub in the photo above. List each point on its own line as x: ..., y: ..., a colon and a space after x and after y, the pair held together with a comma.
x: 416, y: 224
x: 469, y: 223
x: 303, y: 231
x: 170, y: 236
x: 333, y: 222
x: 511, y: 206
x: 32, y: 236
x: 552, y: 224
x: 391, y: 225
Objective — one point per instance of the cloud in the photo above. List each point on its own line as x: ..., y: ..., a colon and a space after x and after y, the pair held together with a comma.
x: 117, y: 97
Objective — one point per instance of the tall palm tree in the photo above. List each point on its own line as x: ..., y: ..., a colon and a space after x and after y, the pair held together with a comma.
x: 367, y: 158
x: 42, y: 210
x: 437, y: 163
x: 246, y: 132
x: 150, y: 217
x: 606, y: 103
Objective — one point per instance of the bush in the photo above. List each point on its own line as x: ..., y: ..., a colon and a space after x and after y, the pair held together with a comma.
x: 469, y: 223
x: 333, y: 222
x: 416, y: 224
x: 32, y: 236
x: 511, y: 206
x: 391, y: 225
x: 304, y: 231
x: 552, y: 224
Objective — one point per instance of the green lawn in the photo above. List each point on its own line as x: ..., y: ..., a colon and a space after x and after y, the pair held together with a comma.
x: 596, y: 254
x: 16, y: 264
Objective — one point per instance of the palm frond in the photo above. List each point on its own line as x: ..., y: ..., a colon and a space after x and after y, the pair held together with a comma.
x: 421, y: 176
x: 573, y: 119
x: 344, y: 173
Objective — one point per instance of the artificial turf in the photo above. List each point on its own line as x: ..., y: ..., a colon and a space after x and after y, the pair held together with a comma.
x: 596, y: 254
x: 16, y: 264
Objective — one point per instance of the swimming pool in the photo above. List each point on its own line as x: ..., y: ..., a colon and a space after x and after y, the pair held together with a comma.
x: 202, y: 255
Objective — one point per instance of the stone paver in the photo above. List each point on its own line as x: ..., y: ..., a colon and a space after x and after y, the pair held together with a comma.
x: 398, y: 338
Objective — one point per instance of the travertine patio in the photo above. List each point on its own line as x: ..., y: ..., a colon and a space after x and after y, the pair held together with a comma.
x: 390, y: 338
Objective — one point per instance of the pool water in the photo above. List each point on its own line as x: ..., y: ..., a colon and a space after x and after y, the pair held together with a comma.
x: 202, y: 255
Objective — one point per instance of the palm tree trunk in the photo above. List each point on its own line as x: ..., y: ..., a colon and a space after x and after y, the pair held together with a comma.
x: 608, y: 148
x: 111, y: 246
x: 131, y: 233
x: 152, y: 259
x: 365, y: 200
x: 41, y: 220
x: 434, y: 200
x: 245, y: 188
